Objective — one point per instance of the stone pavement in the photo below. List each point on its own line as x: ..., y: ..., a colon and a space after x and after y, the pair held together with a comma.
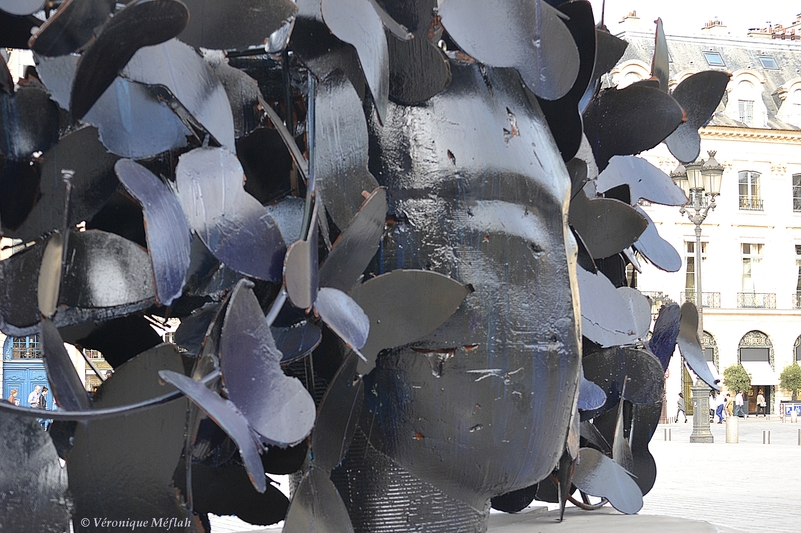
x: 700, y: 488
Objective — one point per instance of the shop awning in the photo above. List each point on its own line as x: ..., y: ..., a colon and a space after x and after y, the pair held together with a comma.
x: 761, y: 373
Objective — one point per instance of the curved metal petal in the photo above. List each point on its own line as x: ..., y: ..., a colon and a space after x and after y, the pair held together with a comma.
x: 68, y: 388
x: 645, y: 181
x: 656, y: 249
x: 598, y: 475
x: 356, y: 22
x: 341, y: 149
x: 357, y: 245
x: 277, y: 407
x: 189, y: 79
x: 591, y: 396
x: 392, y: 301
x: 666, y: 330
x: 640, y: 309
x: 690, y: 345
x: 344, y: 316
x: 234, y: 25
x: 234, y: 226
x: 142, y: 23
x: 606, y: 226
x: 225, y: 415
x: 517, y: 34
x: 165, y: 226
x: 660, y: 63
x: 699, y: 95
x: 50, y: 275
x: 606, y: 318
x: 300, y: 271
x: 21, y: 7
x: 130, y: 120
x: 336, y: 420
x: 296, y: 341
x: 317, y: 506
x: 70, y: 27
x: 629, y: 121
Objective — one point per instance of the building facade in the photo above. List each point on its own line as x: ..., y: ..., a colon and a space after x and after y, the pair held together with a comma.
x: 751, y: 243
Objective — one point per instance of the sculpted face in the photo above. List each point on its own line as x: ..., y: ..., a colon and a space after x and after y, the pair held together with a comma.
x: 479, y: 191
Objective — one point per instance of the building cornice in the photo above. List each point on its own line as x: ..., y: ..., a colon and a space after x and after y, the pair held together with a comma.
x: 751, y: 134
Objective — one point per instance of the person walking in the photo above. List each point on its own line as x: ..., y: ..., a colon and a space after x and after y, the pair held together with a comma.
x: 719, y: 407
x: 738, y: 404
x: 33, y: 397
x: 761, y: 405
x: 729, y: 405
x: 681, y: 408
x: 43, y: 405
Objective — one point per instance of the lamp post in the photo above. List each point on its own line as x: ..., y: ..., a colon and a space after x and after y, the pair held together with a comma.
x: 699, y: 179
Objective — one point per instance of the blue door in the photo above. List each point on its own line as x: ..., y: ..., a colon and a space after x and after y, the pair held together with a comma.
x: 23, y: 368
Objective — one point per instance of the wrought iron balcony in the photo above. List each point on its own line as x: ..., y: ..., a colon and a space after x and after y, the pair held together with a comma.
x: 750, y: 203
x: 759, y: 300
x: 710, y: 299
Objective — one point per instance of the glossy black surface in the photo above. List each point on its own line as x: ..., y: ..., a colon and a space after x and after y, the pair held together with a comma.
x: 70, y: 27
x: 15, y: 31
x: 231, y: 223
x: 357, y: 23
x: 191, y: 334
x: 165, y: 226
x: 666, y: 330
x: 68, y: 389
x: 142, y: 23
x: 28, y: 123
x: 134, y: 328
x: 656, y: 249
x: 660, y: 64
x: 296, y: 341
x: 699, y: 96
x: 19, y: 305
x: 606, y: 316
x: 143, y: 448
x: 517, y: 34
x: 340, y: 149
x: 606, y: 226
x: 6, y: 81
x: 242, y: 91
x: 344, y: 316
x: 33, y: 483
x: 234, y: 25
x: 276, y: 406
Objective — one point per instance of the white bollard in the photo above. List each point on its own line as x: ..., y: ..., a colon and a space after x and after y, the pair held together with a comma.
x: 733, y: 429
x: 793, y: 416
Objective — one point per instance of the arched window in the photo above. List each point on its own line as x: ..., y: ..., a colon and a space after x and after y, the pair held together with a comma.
x: 797, y: 348
x: 710, y: 347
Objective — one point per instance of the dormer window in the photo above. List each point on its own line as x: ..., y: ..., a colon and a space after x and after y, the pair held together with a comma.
x: 768, y: 63
x: 714, y: 59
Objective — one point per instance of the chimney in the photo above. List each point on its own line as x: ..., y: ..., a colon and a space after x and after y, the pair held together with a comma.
x: 714, y: 27
x: 630, y: 22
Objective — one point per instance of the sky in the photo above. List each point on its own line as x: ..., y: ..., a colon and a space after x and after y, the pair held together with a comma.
x: 688, y: 16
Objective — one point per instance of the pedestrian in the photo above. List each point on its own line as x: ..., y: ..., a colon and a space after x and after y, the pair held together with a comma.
x: 761, y: 405
x: 713, y: 402
x: 720, y: 405
x: 12, y: 398
x: 738, y: 404
x: 681, y: 408
x: 33, y: 397
x: 43, y: 405
x: 729, y: 405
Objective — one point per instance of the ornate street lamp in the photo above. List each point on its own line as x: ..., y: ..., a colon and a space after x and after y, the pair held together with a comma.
x: 700, y: 179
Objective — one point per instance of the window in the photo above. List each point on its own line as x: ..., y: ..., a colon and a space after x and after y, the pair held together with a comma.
x: 689, y: 275
x: 749, y: 191
x: 93, y: 354
x: 797, y: 193
x: 26, y: 348
x: 714, y: 59
x: 797, y: 297
x: 752, y: 258
x: 746, y: 109
x: 169, y: 336
x: 797, y: 349
x: 768, y: 63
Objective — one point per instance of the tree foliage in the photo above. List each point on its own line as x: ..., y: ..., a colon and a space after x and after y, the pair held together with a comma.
x: 790, y: 379
x: 736, y: 378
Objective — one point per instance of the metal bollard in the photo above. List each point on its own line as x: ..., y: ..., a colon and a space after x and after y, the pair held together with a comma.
x: 799, y: 437
x: 668, y: 434
x: 732, y: 430
x: 766, y: 437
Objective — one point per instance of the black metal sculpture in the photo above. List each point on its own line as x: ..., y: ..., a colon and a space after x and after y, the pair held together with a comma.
x: 395, y: 235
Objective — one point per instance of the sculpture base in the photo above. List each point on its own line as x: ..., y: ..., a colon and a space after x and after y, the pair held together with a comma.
x: 703, y: 438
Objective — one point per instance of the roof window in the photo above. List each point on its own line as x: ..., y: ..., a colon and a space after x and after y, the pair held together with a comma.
x: 768, y: 63
x: 714, y: 59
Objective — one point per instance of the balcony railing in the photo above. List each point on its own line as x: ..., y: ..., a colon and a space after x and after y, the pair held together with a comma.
x: 750, y: 203
x: 797, y: 300
x: 759, y: 300
x: 710, y: 299
x: 796, y: 201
